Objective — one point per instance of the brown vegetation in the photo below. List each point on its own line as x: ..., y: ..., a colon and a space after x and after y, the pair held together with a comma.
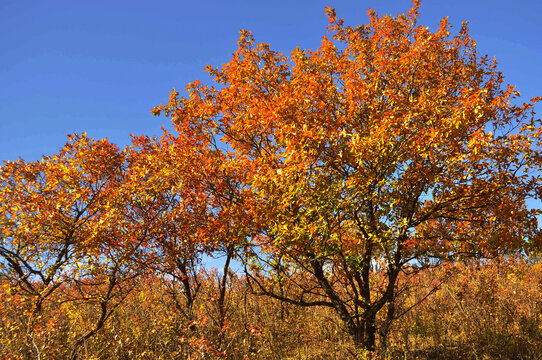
x: 485, y: 310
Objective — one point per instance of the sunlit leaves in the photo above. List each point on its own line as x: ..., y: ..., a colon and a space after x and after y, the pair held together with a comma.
x: 389, y: 142
x: 65, y: 225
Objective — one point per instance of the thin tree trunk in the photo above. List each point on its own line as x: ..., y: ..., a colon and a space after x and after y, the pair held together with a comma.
x: 222, y: 296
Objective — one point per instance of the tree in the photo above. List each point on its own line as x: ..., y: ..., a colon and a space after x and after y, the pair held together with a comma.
x: 195, y: 207
x: 389, y: 149
x: 66, y: 234
x: 49, y: 213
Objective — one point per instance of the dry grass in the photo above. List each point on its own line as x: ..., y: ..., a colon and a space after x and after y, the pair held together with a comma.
x: 485, y: 311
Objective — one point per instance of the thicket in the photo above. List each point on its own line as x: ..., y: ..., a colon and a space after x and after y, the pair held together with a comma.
x: 484, y: 310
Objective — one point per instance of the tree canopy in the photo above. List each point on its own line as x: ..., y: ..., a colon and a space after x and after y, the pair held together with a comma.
x: 389, y: 147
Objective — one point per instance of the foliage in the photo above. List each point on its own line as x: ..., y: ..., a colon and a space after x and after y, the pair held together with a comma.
x: 389, y: 149
x: 362, y: 183
x: 64, y: 226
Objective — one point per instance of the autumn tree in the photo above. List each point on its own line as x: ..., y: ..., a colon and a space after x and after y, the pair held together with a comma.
x: 66, y: 235
x: 166, y: 195
x: 388, y: 149
x: 196, y: 207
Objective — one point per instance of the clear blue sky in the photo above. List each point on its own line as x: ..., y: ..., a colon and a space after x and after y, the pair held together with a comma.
x: 100, y: 66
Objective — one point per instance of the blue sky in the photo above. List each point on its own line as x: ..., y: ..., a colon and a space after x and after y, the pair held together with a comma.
x: 100, y: 66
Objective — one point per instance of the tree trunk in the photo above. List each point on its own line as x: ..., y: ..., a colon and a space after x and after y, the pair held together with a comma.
x: 369, y: 338
x: 222, y: 297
